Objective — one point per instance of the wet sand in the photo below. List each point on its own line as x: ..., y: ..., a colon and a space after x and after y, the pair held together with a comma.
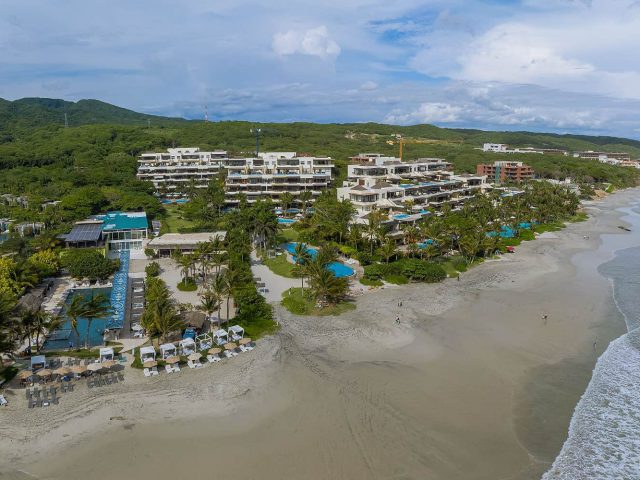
x: 471, y: 385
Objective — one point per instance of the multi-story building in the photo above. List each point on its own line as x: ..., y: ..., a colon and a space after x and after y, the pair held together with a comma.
x: 386, y: 183
x: 603, y: 156
x: 273, y: 173
x: 173, y: 171
x: 502, y: 171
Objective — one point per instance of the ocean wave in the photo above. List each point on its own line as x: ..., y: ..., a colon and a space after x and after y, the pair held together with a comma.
x: 604, y: 440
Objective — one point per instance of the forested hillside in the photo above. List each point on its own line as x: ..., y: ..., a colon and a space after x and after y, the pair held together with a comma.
x: 91, y: 167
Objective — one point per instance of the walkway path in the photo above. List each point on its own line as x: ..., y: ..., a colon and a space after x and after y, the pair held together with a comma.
x: 275, y: 283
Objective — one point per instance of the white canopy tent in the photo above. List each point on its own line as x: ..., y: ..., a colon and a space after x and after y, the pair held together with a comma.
x: 205, y: 342
x: 187, y: 346
x: 168, y: 350
x: 220, y: 337
x: 106, y: 353
x: 147, y: 353
x: 236, y: 332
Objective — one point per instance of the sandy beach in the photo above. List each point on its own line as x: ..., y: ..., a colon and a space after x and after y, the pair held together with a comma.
x: 473, y: 384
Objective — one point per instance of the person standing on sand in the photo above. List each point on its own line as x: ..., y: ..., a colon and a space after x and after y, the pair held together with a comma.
x: 544, y: 317
x: 595, y: 344
x: 397, y: 319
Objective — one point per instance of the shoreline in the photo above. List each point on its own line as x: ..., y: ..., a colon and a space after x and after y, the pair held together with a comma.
x: 460, y: 387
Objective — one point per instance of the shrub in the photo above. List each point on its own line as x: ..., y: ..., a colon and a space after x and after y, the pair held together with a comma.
x: 88, y: 263
x: 150, y: 252
x: 371, y: 283
x: 152, y: 270
x: 376, y: 271
x: 396, y: 279
x: 253, y: 311
x: 364, y: 258
x: 459, y: 264
x: 348, y: 251
x: 46, y: 262
x: 187, y: 286
x: 421, y: 271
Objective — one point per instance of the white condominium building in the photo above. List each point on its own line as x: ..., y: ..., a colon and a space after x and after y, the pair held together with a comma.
x: 274, y: 173
x: 173, y: 171
x: 391, y: 185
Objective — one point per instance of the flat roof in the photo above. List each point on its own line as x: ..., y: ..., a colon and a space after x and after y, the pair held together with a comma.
x: 84, y: 232
x: 123, y: 221
x: 184, y: 239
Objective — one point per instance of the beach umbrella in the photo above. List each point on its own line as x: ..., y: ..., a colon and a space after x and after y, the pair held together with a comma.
x: 230, y: 346
x: 172, y: 359
x: 244, y: 341
x: 215, y: 351
x: 45, y: 372
x: 94, y: 367
x: 24, y: 374
x: 108, y: 363
x: 194, y: 356
x: 79, y: 369
x: 150, y: 363
x: 61, y: 371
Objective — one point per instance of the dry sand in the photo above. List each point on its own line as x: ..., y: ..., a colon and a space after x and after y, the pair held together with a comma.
x: 471, y: 385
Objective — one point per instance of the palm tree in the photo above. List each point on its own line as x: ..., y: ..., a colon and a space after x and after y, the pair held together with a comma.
x: 37, y: 323
x: 326, y: 286
x: 74, y: 311
x: 302, y: 257
x: 304, y: 198
x: 387, y: 250
x: 95, y: 307
x: 230, y: 278
x: 218, y: 288
x: 209, y: 302
x: 286, y: 200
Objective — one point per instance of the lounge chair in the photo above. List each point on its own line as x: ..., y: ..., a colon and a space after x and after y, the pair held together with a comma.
x: 32, y: 403
x: 147, y: 372
x: 108, y: 380
x: 121, y: 376
x: 90, y: 383
x: 154, y: 371
x: 213, y: 358
x: 3, y: 401
x: 55, y: 400
x: 243, y: 348
x: 168, y: 368
x: 27, y: 393
x: 227, y: 354
x: 63, y: 388
x: 191, y: 364
x: 176, y: 367
x: 114, y: 378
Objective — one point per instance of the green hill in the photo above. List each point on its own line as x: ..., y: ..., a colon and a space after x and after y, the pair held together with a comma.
x: 41, y: 158
x: 38, y: 112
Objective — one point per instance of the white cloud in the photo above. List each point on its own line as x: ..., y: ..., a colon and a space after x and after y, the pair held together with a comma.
x: 428, y: 113
x: 314, y: 41
x: 369, y: 86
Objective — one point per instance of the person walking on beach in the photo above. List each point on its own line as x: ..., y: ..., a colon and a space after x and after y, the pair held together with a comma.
x: 595, y: 344
x: 397, y: 319
x: 544, y: 317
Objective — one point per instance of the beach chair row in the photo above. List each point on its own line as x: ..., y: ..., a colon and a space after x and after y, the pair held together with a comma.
x: 103, y: 380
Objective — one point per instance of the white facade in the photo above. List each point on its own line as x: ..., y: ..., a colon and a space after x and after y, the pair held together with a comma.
x: 173, y: 171
x: 389, y: 184
x: 273, y: 173
x: 494, y: 147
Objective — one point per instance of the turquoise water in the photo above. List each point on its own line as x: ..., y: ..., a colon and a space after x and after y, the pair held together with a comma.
x: 401, y: 216
x: 286, y: 221
x: 61, y: 337
x: 339, y: 269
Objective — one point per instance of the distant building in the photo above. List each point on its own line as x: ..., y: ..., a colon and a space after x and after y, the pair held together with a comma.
x: 603, y: 156
x: 272, y: 174
x: 504, y: 148
x: 168, y: 243
x: 502, y: 171
x: 117, y: 231
x: 172, y: 172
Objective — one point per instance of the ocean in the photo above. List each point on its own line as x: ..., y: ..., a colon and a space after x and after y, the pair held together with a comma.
x: 604, y: 433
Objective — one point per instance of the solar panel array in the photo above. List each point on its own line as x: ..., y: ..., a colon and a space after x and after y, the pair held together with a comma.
x: 89, y: 232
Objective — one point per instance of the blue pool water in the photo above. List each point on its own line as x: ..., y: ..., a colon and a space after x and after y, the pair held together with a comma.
x: 425, y: 243
x: 286, y: 221
x: 401, y: 216
x: 339, y: 269
x: 61, y: 337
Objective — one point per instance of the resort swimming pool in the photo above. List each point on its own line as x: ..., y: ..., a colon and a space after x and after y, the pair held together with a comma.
x: 339, y: 269
x: 286, y: 221
x: 60, y: 338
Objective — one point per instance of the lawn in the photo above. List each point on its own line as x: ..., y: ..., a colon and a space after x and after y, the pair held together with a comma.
x: 280, y: 266
x: 286, y: 235
x: 304, y: 304
x: 172, y: 222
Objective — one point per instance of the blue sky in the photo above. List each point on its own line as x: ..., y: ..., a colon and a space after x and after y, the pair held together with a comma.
x: 542, y: 65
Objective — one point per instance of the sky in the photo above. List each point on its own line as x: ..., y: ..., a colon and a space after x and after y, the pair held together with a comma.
x: 539, y: 65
